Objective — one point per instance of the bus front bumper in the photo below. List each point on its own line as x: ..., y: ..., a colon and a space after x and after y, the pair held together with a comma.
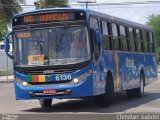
x: 83, y: 89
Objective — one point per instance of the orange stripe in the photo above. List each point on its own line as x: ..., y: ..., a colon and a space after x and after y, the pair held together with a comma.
x: 117, y: 82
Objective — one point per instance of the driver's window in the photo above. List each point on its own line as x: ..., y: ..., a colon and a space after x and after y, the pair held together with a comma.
x: 94, y: 23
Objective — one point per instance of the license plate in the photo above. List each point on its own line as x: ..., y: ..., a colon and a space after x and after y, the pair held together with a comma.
x: 53, y: 92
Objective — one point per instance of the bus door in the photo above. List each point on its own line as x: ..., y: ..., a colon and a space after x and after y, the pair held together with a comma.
x: 98, y: 57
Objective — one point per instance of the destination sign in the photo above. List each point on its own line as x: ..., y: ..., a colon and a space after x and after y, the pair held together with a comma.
x: 24, y: 35
x: 48, y: 17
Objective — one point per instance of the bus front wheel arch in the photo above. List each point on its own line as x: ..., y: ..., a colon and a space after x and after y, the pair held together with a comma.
x: 105, y: 99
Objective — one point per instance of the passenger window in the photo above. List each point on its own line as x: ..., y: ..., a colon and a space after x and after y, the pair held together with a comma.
x: 138, y: 41
x: 94, y: 23
x: 142, y: 40
x: 131, y: 36
x: 128, y: 40
x: 145, y: 41
x: 106, y: 35
x: 115, y: 36
x: 123, y: 37
x: 152, y: 42
x: 104, y: 28
x: 149, y: 41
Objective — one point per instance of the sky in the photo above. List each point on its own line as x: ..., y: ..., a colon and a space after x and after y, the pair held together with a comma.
x: 136, y: 13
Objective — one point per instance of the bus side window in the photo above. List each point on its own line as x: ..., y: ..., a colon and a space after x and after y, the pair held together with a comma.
x: 123, y: 37
x: 152, y: 42
x: 115, y: 36
x: 143, y: 37
x: 128, y: 40
x: 148, y: 42
x: 106, y: 35
x: 131, y: 36
x: 138, y: 40
x: 145, y: 42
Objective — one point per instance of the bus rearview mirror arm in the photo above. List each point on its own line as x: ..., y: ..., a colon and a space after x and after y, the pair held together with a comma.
x: 7, y: 45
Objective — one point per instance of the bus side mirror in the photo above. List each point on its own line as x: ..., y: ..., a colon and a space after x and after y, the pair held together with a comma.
x: 7, y: 45
x: 97, y: 36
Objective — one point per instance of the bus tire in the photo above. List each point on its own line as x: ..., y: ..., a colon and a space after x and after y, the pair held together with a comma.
x: 104, y: 100
x: 137, y: 92
x: 45, y: 103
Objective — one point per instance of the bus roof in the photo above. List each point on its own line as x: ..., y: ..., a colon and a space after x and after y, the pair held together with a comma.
x: 99, y: 14
x: 120, y: 20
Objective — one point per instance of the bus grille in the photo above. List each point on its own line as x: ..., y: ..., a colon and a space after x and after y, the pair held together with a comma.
x: 48, y: 72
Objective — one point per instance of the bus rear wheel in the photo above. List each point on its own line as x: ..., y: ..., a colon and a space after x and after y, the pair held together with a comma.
x: 45, y: 103
x: 104, y: 100
x: 137, y: 92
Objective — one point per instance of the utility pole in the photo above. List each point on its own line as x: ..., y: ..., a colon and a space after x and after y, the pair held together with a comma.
x: 86, y: 2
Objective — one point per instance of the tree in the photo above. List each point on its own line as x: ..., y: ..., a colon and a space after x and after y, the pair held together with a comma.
x: 22, y: 1
x: 154, y: 21
x: 3, y: 30
x: 41, y: 4
x: 7, y: 10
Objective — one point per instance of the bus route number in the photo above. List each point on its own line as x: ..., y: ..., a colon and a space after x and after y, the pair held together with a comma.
x: 63, y: 77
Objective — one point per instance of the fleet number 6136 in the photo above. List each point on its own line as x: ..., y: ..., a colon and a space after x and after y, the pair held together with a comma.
x: 63, y: 77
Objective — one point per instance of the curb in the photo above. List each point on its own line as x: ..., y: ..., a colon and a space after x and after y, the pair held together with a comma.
x: 6, y: 81
x: 3, y: 79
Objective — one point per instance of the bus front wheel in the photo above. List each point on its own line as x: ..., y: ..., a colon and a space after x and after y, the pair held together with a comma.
x: 104, y: 100
x: 137, y: 92
x: 45, y: 103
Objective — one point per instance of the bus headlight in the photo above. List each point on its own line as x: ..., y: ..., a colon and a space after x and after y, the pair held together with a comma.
x: 22, y: 83
x: 75, y: 81
x: 82, y: 77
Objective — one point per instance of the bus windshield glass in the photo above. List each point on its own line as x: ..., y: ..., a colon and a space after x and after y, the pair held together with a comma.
x: 55, y: 46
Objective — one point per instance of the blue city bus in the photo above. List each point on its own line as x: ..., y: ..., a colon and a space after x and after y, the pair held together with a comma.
x: 78, y: 53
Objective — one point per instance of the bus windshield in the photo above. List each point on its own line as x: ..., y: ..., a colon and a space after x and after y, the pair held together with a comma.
x: 55, y: 46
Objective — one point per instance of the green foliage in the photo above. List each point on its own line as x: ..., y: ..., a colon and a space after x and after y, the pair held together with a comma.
x: 3, y: 30
x: 7, y: 10
x: 154, y: 21
x: 22, y: 1
x: 41, y: 4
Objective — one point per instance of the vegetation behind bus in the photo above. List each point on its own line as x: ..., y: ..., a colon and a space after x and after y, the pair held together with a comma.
x: 8, y: 8
x: 154, y: 21
x: 3, y: 30
x: 41, y: 4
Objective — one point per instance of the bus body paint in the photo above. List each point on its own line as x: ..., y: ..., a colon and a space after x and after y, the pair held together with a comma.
x: 124, y: 66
